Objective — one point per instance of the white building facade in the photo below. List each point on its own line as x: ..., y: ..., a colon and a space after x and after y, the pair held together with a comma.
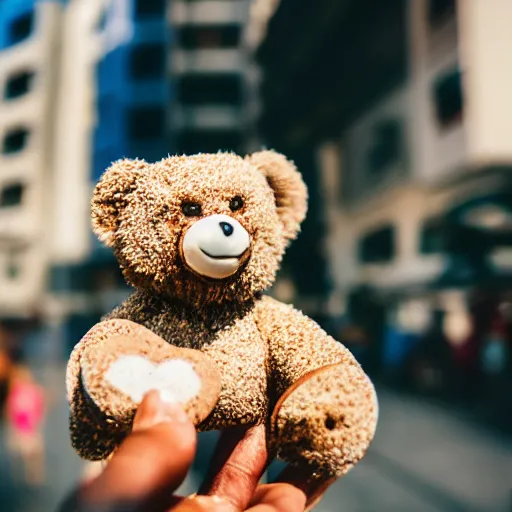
x: 29, y: 65
x: 437, y: 140
x: 53, y: 100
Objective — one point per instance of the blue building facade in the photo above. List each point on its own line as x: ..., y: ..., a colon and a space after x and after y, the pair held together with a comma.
x: 17, y: 21
x: 133, y: 103
x: 134, y: 92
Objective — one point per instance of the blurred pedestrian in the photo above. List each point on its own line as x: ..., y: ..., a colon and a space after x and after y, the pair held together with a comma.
x: 25, y: 413
x: 494, y: 361
x: 356, y: 340
x: 431, y: 360
x: 5, y: 371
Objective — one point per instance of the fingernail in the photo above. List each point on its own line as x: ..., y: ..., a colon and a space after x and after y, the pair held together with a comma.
x: 175, y: 412
x: 220, y: 501
x: 214, y: 503
x: 154, y: 410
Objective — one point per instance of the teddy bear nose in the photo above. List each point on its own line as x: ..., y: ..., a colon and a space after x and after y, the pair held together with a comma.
x: 227, y: 228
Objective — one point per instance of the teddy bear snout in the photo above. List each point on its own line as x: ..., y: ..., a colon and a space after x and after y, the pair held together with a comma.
x: 216, y: 246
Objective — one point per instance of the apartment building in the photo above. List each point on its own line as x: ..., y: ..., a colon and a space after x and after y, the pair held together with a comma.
x: 210, y: 64
x: 84, y: 83
x: 408, y: 129
x: 433, y: 143
x: 115, y: 71
x: 29, y: 59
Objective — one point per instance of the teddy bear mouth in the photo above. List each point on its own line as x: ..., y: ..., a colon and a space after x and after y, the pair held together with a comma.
x: 223, y: 257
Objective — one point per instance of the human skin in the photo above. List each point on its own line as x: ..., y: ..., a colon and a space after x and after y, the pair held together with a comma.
x: 152, y: 462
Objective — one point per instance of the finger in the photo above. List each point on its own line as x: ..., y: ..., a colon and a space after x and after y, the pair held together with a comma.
x: 312, y: 486
x: 152, y: 461
x: 228, y: 440
x: 238, y: 466
x: 202, y: 504
x: 277, y: 498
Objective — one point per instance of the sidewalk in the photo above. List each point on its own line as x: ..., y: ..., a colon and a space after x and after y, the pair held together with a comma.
x: 424, y: 459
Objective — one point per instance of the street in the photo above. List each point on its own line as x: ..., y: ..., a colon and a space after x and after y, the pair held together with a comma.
x: 424, y: 459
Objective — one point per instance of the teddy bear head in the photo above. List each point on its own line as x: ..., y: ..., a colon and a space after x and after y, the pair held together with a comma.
x: 207, y: 227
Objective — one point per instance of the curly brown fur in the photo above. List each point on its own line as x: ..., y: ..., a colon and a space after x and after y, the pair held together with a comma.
x: 136, y: 209
x: 275, y: 364
x: 178, y: 323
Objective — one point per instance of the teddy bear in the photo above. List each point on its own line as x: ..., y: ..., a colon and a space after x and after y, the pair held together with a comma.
x: 200, y: 239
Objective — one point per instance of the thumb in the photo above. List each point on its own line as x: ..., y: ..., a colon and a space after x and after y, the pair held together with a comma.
x: 151, y: 463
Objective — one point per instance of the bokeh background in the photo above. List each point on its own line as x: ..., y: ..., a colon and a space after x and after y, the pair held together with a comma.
x: 399, y: 116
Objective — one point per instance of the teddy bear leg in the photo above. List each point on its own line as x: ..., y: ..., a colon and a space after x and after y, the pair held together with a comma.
x: 117, y: 373
x: 326, y: 420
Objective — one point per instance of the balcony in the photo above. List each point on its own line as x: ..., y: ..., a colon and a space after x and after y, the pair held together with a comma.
x: 206, y: 61
x: 209, y: 12
x: 376, y: 147
x: 417, y: 271
x: 206, y: 117
x: 23, y: 168
x: 468, y: 99
x: 17, y: 225
x: 21, y: 277
x: 26, y: 111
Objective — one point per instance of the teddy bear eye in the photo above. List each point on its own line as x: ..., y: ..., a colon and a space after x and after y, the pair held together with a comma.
x: 191, y: 209
x: 236, y: 203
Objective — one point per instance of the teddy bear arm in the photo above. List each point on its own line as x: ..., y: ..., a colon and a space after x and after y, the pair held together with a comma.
x: 93, y: 435
x: 111, y: 369
x: 297, y: 345
x: 325, y: 409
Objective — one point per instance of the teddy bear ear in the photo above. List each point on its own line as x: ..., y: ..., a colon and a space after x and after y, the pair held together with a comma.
x: 110, y: 196
x: 289, y: 189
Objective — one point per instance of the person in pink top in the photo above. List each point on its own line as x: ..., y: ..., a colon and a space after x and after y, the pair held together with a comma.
x: 25, y: 413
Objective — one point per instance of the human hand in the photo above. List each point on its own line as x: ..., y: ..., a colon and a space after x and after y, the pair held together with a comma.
x: 155, y: 458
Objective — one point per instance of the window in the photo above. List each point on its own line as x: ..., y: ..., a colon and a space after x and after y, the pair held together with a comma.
x: 378, y: 246
x: 11, y: 195
x: 149, y: 8
x: 209, y: 37
x: 15, y: 141
x: 102, y: 21
x: 147, y: 61
x: 431, y: 237
x: 208, y: 141
x: 448, y: 98
x: 488, y: 216
x: 209, y: 89
x: 21, y: 28
x: 146, y: 123
x: 107, y: 111
x: 439, y: 11
x: 386, y: 147
x: 13, y: 264
x: 17, y: 85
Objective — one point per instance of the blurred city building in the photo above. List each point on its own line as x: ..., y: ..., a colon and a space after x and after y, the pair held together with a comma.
x: 213, y: 75
x: 29, y: 44
x: 84, y: 83
x: 403, y: 109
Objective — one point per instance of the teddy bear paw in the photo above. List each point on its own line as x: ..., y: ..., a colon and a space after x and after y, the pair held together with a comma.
x: 326, y: 420
x: 116, y: 374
